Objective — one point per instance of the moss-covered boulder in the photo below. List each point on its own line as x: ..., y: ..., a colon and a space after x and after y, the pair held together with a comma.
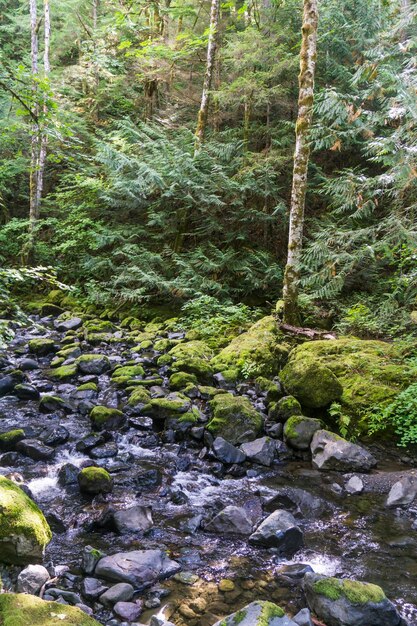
x: 24, y: 531
x: 49, y: 403
x: 180, y: 380
x: 259, y: 613
x: 94, y: 480
x: 283, y: 409
x: 345, y: 602
x: 42, y: 346
x: 9, y: 439
x: 172, y: 406
x: 299, y: 431
x: 71, y: 351
x: 234, y: 419
x: 139, y: 395
x: 64, y: 372
x: 192, y: 357
x: 262, y: 351
x: 124, y: 374
x: 93, y: 363
x: 21, y: 609
x: 370, y: 372
x: 106, y: 418
x: 310, y: 381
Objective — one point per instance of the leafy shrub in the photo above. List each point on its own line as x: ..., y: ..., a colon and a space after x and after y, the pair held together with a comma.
x: 401, y: 415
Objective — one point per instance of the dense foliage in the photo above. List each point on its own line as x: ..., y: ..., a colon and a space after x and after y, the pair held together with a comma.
x: 132, y: 214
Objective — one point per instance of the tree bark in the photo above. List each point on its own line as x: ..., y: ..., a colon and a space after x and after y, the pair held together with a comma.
x: 44, y: 136
x: 33, y: 174
x: 301, y: 160
x: 208, y: 78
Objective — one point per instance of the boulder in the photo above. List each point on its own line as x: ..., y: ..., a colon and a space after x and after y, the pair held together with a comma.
x: 135, y: 519
x: 139, y: 567
x: 103, y: 417
x: 259, y: 613
x: 92, y: 588
x: 122, y: 592
x: 303, y: 618
x: 234, y: 419
x: 260, y: 451
x: 331, y: 452
x: 279, y: 530
x: 24, y: 391
x: 93, y: 363
x: 32, y: 578
x: 348, y: 602
x: 128, y: 611
x: 9, y: 439
x: 42, y: 347
x: 354, y: 485
x: 72, y: 323
x: 403, y: 492
x: 283, y: 409
x: 226, y: 452
x: 232, y: 520
x: 192, y: 357
x: 35, y: 449
x: 24, y: 531
x: 310, y: 381
x: 299, y: 431
x: 19, y: 609
x: 94, y: 480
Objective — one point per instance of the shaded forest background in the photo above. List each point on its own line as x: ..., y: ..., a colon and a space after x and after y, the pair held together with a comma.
x: 132, y: 215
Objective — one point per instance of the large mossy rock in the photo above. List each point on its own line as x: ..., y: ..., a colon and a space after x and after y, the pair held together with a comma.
x: 192, y: 357
x: 370, y: 373
x: 24, y: 531
x: 259, y: 613
x: 262, y: 348
x: 21, y: 609
x: 349, y: 602
x: 310, y: 381
x: 234, y: 419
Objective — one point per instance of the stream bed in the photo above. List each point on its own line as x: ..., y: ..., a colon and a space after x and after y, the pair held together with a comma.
x: 345, y: 535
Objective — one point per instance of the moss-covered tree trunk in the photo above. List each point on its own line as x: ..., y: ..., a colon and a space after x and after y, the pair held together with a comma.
x: 34, y: 158
x: 43, y: 135
x: 208, y: 77
x: 301, y: 159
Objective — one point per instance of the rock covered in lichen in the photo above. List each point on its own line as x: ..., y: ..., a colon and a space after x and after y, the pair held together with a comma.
x: 310, y: 381
x: 24, y: 531
x: 192, y: 357
x: 299, y: 431
x: 94, y: 480
x: 346, y: 602
x: 259, y: 613
x: 104, y: 417
x: 20, y: 609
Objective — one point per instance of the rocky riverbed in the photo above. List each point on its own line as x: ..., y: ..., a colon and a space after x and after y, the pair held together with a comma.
x: 206, y: 498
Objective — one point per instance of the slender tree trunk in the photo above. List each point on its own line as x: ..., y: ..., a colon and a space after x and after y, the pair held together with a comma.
x: 208, y: 78
x: 33, y: 174
x: 301, y: 159
x: 44, y: 136
x: 95, y: 14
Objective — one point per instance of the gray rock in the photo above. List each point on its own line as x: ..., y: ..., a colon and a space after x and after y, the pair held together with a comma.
x: 139, y: 567
x: 122, y: 592
x: 331, y: 452
x: 303, y: 618
x: 90, y: 558
x: 279, y: 530
x: 129, y: 611
x: 93, y: 363
x: 24, y: 391
x: 259, y: 613
x: 35, y: 449
x: 232, y: 520
x: 159, y: 621
x: 28, y: 365
x: 260, y: 450
x: 92, y: 588
x: 340, y: 611
x: 69, y: 596
x: 295, y: 570
x: 226, y: 452
x: 32, y: 578
x: 72, y: 324
x: 299, y: 431
x: 135, y: 519
x: 403, y: 492
x: 354, y: 485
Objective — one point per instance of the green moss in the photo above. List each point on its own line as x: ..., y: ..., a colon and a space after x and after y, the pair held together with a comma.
x: 145, y: 345
x: 99, y: 326
x: 234, y: 418
x: 191, y: 417
x: 123, y: 374
x: 20, y: 516
x: 180, y: 380
x: 162, y: 345
x: 148, y: 382
x: 269, y: 611
x: 355, y: 591
x: 42, y: 346
x: 139, y: 396
x: 290, y: 428
x: 192, y: 357
x: 55, y: 296
x: 164, y: 359
x: 262, y: 348
x: 310, y: 381
x: 141, y: 337
x: 162, y: 408
x: 88, y: 387
x: 208, y: 392
x: 55, y: 401
x: 19, y: 609
x: 64, y: 372
x: 71, y: 351
x: 103, y: 416
x: 9, y: 439
x: 240, y: 616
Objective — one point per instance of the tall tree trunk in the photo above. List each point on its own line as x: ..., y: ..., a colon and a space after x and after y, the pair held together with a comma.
x: 34, y: 158
x: 95, y: 14
x: 301, y: 159
x: 208, y: 78
x: 44, y: 136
